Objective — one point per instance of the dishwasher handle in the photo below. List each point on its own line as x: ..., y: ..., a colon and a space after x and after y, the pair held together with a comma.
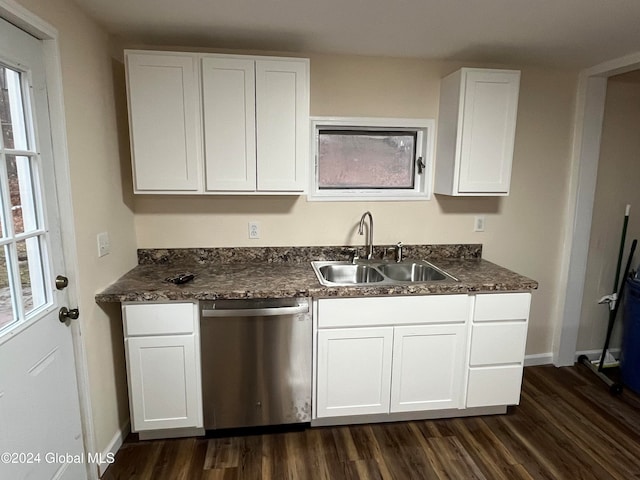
x: 255, y: 312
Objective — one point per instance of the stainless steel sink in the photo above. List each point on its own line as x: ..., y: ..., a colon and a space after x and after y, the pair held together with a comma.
x: 350, y: 274
x: 411, y: 272
x: 337, y: 273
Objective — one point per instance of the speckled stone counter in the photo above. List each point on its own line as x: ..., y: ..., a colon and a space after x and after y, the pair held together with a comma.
x: 273, y: 272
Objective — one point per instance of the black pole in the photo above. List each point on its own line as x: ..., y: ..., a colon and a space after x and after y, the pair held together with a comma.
x: 612, y: 313
x: 621, y: 251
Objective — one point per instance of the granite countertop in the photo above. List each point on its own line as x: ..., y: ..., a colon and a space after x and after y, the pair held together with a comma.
x: 274, y: 272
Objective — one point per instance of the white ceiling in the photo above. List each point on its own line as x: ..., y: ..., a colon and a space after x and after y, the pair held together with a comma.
x: 558, y: 33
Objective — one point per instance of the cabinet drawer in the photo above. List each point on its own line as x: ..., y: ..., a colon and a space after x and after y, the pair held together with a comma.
x: 358, y: 312
x: 493, y: 307
x: 159, y: 319
x: 492, y: 386
x: 493, y: 343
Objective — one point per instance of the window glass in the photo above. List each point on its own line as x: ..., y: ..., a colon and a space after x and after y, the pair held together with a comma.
x: 21, y: 190
x: 366, y: 159
x: 12, y: 115
x: 363, y: 159
x: 23, y: 272
x: 7, y: 311
x: 31, y: 273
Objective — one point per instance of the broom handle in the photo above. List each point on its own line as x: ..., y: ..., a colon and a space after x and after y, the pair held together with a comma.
x: 613, y: 313
x: 616, y: 281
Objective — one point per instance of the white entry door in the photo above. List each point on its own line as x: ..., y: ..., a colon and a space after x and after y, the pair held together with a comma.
x: 40, y: 429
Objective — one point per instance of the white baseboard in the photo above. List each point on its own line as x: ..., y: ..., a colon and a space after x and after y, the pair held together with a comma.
x: 114, y: 445
x: 538, y: 359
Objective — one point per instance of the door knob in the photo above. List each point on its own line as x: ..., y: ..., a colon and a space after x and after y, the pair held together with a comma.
x: 65, y: 314
x: 62, y: 282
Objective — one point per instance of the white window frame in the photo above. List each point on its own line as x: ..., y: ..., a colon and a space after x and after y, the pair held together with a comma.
x: 423, y: 127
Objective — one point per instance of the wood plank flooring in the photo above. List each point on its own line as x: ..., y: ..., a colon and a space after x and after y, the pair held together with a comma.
x: 567, y: 426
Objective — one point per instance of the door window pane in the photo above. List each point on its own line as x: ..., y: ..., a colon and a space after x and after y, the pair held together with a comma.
x: 31, y: 273
x: 366, y: 159
x: 12, y: 113
x: 7, y: 313
x: 21, y: 190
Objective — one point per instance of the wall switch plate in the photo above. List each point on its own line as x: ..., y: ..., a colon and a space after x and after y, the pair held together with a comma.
x: 104, y: 244
x: 254, y: 230
x: 478, y: 223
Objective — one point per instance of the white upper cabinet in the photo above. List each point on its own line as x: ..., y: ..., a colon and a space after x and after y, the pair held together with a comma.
x: 229, y: 110
x: 282, y: 124
x: 164, y: 121
x: 476, y: 131
x: 245, y: 123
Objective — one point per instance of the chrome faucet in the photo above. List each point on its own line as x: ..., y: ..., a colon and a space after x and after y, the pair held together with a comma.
x: 361, y: 232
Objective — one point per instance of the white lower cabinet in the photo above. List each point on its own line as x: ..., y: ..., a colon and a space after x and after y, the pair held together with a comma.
x: 397, y: 355
x: 162, y: 347
x: 496, y: 359
x: 428, y: 367
x: 364, y: 367
x: 354, y: 371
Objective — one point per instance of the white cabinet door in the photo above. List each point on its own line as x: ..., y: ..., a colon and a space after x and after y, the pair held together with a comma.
x: 228, y: 96
x: 282, y: 116
x: 476, y: 132
x: 488, y: 131
x: 164, y: 384
x: 353, y: 371
x: 164, y: 122
x: 428, y: 367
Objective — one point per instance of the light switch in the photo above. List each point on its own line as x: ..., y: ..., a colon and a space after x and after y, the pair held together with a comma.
x: 104, y: 244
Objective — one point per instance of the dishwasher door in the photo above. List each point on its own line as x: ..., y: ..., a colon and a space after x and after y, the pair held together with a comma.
x: 256, y: 362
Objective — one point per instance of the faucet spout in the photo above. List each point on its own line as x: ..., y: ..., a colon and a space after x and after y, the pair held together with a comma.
x: 361, y: 232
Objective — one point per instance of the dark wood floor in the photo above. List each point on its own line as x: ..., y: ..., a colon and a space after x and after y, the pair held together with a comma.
x: 567, y: 426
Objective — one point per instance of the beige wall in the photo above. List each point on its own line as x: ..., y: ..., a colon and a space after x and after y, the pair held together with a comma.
x: 98, y: 200
x: 618, y: 185
x: 523, y: 231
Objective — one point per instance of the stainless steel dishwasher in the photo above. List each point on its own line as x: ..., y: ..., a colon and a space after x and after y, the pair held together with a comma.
x: 256, y: 362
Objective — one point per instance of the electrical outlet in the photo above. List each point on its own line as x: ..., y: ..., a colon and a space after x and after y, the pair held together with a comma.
x: 104, y: 244
x: 478, y: 223
x: 254, y: 230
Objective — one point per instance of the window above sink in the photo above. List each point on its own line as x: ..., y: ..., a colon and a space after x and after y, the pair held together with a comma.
x: 371, y: 159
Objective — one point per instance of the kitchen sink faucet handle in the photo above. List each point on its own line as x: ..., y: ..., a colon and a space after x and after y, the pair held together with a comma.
x: 354, y: 257
x: 399, y: 247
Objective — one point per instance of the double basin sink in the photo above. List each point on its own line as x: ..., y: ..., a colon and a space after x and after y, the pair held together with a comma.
x: 343, y: 273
